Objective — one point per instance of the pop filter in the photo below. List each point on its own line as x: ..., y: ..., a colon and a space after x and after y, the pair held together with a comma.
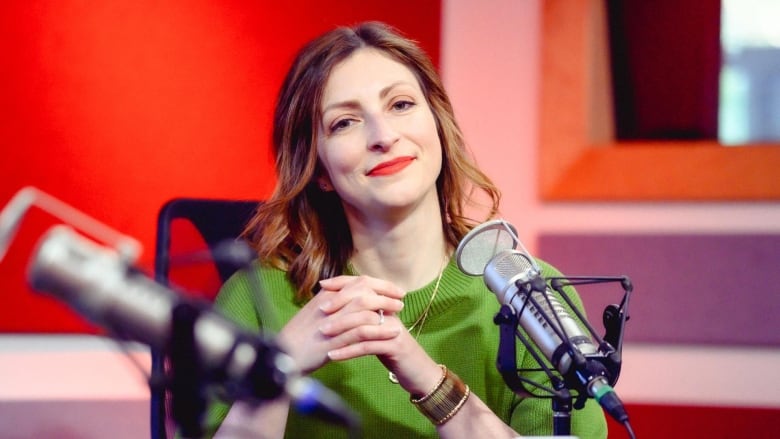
x: 482, y: 243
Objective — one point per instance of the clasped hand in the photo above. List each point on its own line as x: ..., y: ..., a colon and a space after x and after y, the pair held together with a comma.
x: 350, y: 317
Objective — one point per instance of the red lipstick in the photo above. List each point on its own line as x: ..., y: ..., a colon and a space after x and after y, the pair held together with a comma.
x: 391, y: 166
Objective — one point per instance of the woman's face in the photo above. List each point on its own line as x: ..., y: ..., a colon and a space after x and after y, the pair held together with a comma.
x: 377, y: 139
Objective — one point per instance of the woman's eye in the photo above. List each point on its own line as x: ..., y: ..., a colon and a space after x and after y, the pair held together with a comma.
x: 340, y: 125
x: 402, y: 105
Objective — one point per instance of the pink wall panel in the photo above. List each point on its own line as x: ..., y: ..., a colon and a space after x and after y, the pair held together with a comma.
x: 695, y: 288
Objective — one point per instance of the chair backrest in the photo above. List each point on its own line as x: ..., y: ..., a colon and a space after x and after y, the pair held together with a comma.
x: 190, y: 226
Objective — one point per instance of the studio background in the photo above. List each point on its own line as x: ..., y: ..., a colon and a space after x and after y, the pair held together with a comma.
x: 117, y: 107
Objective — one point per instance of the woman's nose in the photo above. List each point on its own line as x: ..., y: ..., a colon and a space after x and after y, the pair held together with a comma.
x: 382, y: 133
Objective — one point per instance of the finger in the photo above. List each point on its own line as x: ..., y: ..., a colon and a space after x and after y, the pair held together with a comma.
x: 358, y: 289
x: 358, y: 301
x: 390, y: 329
x: 338, y: 324
x: 368, y: 302
x: 379, y: 286
x: 355, y: 350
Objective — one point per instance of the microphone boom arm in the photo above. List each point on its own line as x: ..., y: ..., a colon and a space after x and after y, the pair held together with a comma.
x: 614, y: 316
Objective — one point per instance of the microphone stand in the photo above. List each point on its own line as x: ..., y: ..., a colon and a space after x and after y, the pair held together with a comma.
x: 188, y: 401
x: 561, y: 406
x: 506, y: 363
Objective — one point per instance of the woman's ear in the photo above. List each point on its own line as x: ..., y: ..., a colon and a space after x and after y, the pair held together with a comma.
x: 323, y: 181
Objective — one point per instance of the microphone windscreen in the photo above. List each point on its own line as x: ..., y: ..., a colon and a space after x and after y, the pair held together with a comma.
x: 483, y: 242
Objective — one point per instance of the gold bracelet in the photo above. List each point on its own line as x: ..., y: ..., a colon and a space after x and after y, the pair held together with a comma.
x: 446, y: 398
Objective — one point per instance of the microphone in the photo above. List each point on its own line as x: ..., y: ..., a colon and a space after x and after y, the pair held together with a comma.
x: 98, y: 283
x: 516, y: 280
x: 511, y: 277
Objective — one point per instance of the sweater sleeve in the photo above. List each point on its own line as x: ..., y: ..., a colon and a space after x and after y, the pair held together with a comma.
x: 235, y: 301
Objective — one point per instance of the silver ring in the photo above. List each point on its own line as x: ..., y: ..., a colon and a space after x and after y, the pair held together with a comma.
x: 381, y: 316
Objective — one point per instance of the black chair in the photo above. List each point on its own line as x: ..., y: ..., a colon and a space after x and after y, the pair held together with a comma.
x: 188, y: 229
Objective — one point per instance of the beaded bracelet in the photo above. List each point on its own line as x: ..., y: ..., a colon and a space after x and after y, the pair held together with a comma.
x: 446, y: 398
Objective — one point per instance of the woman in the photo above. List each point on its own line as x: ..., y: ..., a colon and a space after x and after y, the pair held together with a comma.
x: 355, y: 247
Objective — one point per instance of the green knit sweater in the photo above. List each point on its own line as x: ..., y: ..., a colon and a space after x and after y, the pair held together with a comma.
x: 459, y: 332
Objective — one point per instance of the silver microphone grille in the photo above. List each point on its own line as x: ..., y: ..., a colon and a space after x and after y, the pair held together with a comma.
x: 509, y: 264
x: 505, y: 271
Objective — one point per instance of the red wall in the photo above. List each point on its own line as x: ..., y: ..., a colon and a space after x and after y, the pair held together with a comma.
x: 115, y: 107
x: 690, y: 422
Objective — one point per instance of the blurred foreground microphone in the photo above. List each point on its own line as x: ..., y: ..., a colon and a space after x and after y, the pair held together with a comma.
x: 516, y: 280
x: 98, y: 282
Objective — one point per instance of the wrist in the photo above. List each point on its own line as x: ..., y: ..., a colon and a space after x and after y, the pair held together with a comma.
x: 446, y: 398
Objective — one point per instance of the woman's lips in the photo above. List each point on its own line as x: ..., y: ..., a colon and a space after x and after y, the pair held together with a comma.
x: 390, y: 167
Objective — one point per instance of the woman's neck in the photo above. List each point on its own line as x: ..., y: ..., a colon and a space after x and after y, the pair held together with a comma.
x: 410, y: 251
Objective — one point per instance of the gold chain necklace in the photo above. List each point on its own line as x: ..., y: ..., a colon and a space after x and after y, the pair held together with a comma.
x: 423, y: 316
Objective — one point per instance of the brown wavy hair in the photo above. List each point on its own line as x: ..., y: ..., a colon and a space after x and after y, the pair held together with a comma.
x: 302, y: 229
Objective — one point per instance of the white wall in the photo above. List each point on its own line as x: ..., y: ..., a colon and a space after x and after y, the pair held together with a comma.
x: 72, y: 386
x: 489, y: 62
